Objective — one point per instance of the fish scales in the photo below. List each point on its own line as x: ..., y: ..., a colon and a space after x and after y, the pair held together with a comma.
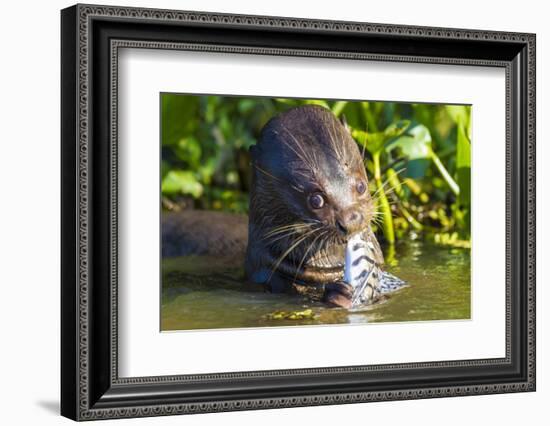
x: 364, y: 274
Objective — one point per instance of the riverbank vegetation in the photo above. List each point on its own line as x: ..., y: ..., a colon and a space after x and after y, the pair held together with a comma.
x: 417, y: 158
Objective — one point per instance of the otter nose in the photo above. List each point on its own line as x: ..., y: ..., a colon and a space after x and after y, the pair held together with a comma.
x: 349, y: 222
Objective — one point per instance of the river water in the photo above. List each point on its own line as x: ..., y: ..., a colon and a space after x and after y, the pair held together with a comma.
x: 210, y: 293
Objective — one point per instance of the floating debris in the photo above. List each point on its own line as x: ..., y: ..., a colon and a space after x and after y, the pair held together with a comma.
x: 452, y: 240
x: 292, y: 315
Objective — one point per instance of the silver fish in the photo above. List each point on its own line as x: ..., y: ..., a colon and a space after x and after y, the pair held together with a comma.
x: 362, y: 270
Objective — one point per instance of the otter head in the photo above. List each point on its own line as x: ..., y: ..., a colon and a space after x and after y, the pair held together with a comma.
x: 309, y: 172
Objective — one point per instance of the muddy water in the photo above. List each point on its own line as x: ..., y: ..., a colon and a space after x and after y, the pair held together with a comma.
x: 208, y: 293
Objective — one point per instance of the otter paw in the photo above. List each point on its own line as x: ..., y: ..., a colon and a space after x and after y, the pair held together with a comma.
x: 338, y: 294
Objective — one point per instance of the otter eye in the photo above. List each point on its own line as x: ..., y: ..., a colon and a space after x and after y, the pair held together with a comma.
x: 361, y: 187
x: 316, y: 201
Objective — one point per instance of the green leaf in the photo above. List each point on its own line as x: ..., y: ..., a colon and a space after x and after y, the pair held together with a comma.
x: 317, y: 102
x: 397, y: 129
x: 415, y: 144
x: 246, y: 105
x: 286, y: 101
x: 207, y: 169
x: 181, y: 182
x: 463, y: 165
x: 373, y: 142
x: 179, y: 117
x: 463, y: 156
x: 460, y: 114
x: 338, y: 107
x: 190, y: 151
x: 354, y: 115
x: 165, y: 167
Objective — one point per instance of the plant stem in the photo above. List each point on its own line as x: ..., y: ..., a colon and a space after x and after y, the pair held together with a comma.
x: 395, y: 183
x: 416, y: 190
x: 410, y: 218
x: 445, y: 174
x: 338, y: 107
x: 383, y: 201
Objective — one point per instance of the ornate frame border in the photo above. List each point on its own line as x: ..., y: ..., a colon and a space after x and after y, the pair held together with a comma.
x: 85, y: 407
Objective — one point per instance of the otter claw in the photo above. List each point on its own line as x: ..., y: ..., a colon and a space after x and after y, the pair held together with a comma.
x: 338, y: 294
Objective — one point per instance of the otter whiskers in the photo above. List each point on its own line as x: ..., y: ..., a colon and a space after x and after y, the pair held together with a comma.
x: 291, y: 248
x: 307, y: 252
x: 288, y: 230
x: 284, y: 228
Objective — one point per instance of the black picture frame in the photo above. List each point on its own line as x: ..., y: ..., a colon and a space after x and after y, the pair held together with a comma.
x: 90, y: 386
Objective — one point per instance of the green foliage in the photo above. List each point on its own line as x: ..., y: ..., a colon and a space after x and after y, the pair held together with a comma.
x: 463, y: 165
x: 417, y: 157
x: 414, y: 143
x: 181, y: 182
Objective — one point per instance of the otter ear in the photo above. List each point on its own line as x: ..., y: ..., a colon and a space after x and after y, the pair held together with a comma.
x: 345, y: 123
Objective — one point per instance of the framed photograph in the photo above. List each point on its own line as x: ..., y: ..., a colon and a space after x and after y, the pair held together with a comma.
x: 263, y: 212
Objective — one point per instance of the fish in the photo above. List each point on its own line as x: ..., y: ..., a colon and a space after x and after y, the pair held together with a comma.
x: 365, y: 274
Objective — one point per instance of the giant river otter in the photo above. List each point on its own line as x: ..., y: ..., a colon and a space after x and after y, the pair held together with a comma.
x: 309, y: 196
x: 309, y: 224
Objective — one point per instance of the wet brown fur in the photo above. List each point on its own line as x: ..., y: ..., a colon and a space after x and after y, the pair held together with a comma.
x: 303, y: 151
